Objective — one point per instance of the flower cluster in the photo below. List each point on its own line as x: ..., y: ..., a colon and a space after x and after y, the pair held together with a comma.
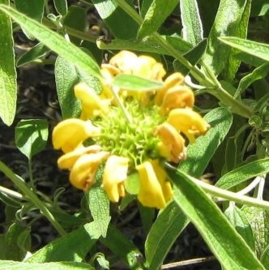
x: 130, y: 131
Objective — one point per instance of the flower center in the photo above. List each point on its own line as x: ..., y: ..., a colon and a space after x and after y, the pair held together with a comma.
x: 133, y: 139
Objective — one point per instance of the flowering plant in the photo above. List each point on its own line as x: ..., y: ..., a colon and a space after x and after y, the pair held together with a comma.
x: 130, y: 130
x: 151, y: 141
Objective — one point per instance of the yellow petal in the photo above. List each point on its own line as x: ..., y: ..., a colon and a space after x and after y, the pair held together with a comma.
x: 189, y: 122
x: 115, y: 173
x: 125, y: 61
x: 67, y: 161
x: 166, y: 186
x: 92, y: 104
x: 148, y: 68
x: 171, y: 81
x: 177, y: 97
x: 82, y: 175
x: 69, y: 133
x: 150, y: 192
x: 173, y: 145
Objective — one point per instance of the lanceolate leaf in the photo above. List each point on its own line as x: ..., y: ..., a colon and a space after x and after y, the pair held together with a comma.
x: 115, y: 18
x: 254, y: 48
x: 8, y: 85
x: 226, y: 244
x: 145, y: 45
x: 243, y: 173
x: 71, y: 247
x: 199, y: 155
x: 192, y: 25
x: 226, y: 23
x: 158, y: 11
x: 54, y: 41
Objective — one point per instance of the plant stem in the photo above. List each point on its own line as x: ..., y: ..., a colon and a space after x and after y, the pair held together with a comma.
x: 19, y: 182
x: 230, y: 196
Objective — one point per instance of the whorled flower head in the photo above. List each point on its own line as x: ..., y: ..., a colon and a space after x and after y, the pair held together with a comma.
x: 128, y: 134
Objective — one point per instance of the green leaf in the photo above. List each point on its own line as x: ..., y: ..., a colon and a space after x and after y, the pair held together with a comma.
x: 241, y: 224
x: 12, y: 250
x: 164, y: 231
x: 99, y: 206
x: 114, y: 17
x: 11, y: 265
x: 61, y: 6
x: 66, y: 78
x: 259, y: 221
x: 265, y: 258
x: 145, y: 45
x: 243, y: 173
x: 55, y: 42
x: 200, y: 153
x: 132, y: 82
x: 31, y: 136
x: 257, y: 74
x: 123, y: 248
x: 222, y: 239
x: 193, y: 56
x: 259, y: 8
x: 192, y: 26
x: 71, y: 247
x: 76, y: 18
x: 39, y: 50
x: 257, y: 49
x: 231, y: 68
x: 8, y: 75
x: 226, y: 23
x: 32, y: 9
x: 158, y: 11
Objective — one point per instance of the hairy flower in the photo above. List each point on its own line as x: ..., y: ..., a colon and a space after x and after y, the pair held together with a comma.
x: 129, y: 131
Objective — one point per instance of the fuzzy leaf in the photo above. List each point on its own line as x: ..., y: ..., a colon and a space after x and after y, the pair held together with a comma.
x: 72, y: 247
x: 158, y: 11
x: 31, y: 136
x: 191, y: 21
x: 243, y: 173
x: 225, y: 243
x: 253, y: 48
x: 8, y: 75
x: 132, y: 82
x: 54, y: 41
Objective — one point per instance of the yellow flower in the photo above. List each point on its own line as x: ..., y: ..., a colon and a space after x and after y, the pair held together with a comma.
x: 172, y: 144
x: 68, y: 134
x: 189, y: 122
x: 174, y: 79
x: 115, y: 173
x: 82, y: 175
x: 154, y: 190
x: 177, y: 97
x: 92, y: 104
x: 67, y: 161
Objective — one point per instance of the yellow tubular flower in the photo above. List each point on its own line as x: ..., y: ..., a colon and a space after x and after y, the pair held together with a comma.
x: 67, y: 161
x: 125, y: 61
x: 115, y: 173
x: 148, y: 68
x: 68, y: 134
x: 171, y: 81
x: 82, y: 175
x: 92, y: 104
x: 172, y: 144
x: 154, y: 190
x: 177, y: 97
x: 189, y: 122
